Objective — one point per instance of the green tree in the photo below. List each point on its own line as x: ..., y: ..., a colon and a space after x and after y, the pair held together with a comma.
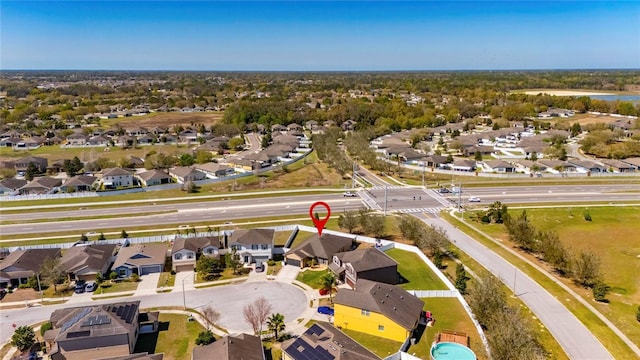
x: 84, y: 237
x: 374, y: 225
x: 522, y: 232
x: 461, y: 279
x: 46, y: 326
x: 186, y: 160
x: 102, y: 237
x: 276, y: 324
x: 554, y: 251
x: 600, y: 291
x: 348, y: 220
x: 328, y: 284
x: 51, y: 272
x: 123, y: 234
x: 638, y: 313
x: 477, y: 156
x: 266, y: 139
x: 205, y: 337
x: 586, y: 268
x: 113, y: 275
x: 23, y: 338
x: 31, y: 172
x: 486, y: 298
x: 236, y: 143
x: 206, y: 267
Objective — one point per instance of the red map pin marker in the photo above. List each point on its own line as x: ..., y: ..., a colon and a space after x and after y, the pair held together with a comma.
x: 319, y: 223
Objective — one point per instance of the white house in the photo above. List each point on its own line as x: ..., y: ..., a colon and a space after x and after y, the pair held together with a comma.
x: 252, y: 245
x: 498, y: 166
x: 185, y: 251
x: 117, y: 177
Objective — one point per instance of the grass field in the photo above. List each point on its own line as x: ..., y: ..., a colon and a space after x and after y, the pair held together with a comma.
x: 107, y: 287
x: 176, y: 338
x: 625, y: 321
x: 379, y: 346
x: 418, y: 276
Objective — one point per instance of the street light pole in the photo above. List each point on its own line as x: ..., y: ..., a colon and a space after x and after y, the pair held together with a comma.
x: 423, y: 163
x: 39, y: 287
x: 385, y: 200
x: 184, y: 297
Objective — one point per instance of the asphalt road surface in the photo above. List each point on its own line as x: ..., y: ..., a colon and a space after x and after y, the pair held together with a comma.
x: 576, y: 340
x: 228, y: 300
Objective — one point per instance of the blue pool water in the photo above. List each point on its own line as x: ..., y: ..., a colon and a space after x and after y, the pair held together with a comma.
x: 631, y: 98
x: 451, y: 351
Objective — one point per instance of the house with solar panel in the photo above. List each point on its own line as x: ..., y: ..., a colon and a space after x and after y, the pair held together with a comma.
x: 322, y: 341
x: 97, y: 332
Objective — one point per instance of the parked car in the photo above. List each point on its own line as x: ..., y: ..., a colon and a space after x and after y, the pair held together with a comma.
x: 260, y: 267
x: 474, y: 199
x: 91, y: 286
x: 3, y: 292
x: 325, y: 310
x: 80, y: 284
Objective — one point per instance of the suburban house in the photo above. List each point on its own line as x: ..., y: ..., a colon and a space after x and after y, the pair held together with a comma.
x: 370, y: 263
x: 587, y: 166
x: 253, y: 245
x: 185, y: 251
x: 20, y: 265
x: 319, y: 249
x: 556, y: 166
x: 435, y: 161
x: 215, y: 169
x: 323, y: 341
x: 116, y: 177
x: 635, y: 161
x: 618, y: 166
x: 464, y: 165
x: 85, y: 262
x: 231, y: 347
x: 77, y: 139
x: 498, y: 166
x: 95, y: 332
x: 377, y: 309
x: 11, y: 185
x: 23, y: 163
x: 140, y: 259
x: 153, y: 177
x: 40, y: 185
x: 79, y: 183
x: 184, y: 174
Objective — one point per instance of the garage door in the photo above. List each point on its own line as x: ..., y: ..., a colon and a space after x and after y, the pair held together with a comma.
x: 260, y: 259
x: 180, y: 268
x: 293, y: 262
x: 150, y: 269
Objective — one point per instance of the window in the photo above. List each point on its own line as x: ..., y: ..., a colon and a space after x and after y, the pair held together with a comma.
x: 178, y: 256
x: 265, y: 246
x: 380, y: 327
x: 190, y: 256
x: 365, y: 312
x: 254, y: 247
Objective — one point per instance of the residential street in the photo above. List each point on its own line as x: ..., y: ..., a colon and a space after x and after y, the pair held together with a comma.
x: 577, y: 341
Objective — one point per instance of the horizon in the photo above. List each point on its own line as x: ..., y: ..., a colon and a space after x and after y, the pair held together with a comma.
x: 319, y: 36
x: 326, y: 71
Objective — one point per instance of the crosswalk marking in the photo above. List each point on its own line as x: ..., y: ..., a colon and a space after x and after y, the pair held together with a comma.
x: 389, y: 187
x: 432, y: 210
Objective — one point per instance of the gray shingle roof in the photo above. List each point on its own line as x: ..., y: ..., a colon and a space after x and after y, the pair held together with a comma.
x: 323, y: 247
x: 391, y: 301
x: 366, y: 259
x: 252, y: 236
x: 231, y: 347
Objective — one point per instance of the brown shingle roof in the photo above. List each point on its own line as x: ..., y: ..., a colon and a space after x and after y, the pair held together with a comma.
x: 366, y: 259
x: 92, y: 256
x: 323, y: 247
x: 194, y: 244
x: 252, y: 236
x: 115, y: 172
x: 27, y: 261
x: 391, y: 301
x: 154, y: 254
x: 231, y: 347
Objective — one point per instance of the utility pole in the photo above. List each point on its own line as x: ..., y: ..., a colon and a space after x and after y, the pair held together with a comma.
x: 184, y: 297
x: 460, y: 197
x: 423, y: 163
x: 515, y: 272
x: 353, y: 177
x: 39, y: 287
x: 385, y: 200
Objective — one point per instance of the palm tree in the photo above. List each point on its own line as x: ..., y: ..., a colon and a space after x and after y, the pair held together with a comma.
x: 276, y: 323
x: 328, y: 283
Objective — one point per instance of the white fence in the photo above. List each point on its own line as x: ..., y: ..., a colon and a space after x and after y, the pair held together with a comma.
x: 48, y: 196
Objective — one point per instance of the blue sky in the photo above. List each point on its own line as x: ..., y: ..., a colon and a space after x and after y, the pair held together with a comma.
x: 309, y: 36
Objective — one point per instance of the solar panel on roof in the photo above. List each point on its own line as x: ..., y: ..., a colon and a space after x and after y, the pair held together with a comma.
x: 301, y: 350
x: 75, y: 319
x: 128, y: 316
x: 315, y: 329
x: 77, y: 334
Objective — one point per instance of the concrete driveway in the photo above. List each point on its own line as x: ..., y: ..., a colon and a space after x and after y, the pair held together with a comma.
x: 148, y: 284
x: 184, y: 277
x: 288, y: 273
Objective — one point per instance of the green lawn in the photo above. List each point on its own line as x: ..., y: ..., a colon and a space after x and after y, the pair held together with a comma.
x: 380, y: 346
x: 418, y: 276
x: 311, y: 277
x: 281, y: 238
x: 449, y: 315
x: 608, y: 338
x: 176, y: 338
x: 108, y: 287
x: 166, y: 279
x: 226, y: 274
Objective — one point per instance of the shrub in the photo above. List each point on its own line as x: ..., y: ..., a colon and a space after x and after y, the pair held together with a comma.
x: 485, y: 219
x: 587, y: 215
x: 173, y: 272
x: 134, y: 278
x: 113, y: 275
x: 205, y: 338
x: 600, y: 291
x: 270, y: 262
x: 45, y: 327
x: 638, y: 313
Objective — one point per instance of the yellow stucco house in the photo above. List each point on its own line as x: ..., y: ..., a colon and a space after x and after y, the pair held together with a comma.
x: 377, y: 309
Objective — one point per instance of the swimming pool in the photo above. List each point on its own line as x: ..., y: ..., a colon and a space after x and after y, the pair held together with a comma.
x: 451, y: 351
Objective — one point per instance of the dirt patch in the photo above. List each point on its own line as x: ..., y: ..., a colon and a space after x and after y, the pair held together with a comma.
x: 167, y: 120
x: 21, y: 295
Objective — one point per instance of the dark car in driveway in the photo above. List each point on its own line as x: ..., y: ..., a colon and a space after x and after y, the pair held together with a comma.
x: 80, y: 284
